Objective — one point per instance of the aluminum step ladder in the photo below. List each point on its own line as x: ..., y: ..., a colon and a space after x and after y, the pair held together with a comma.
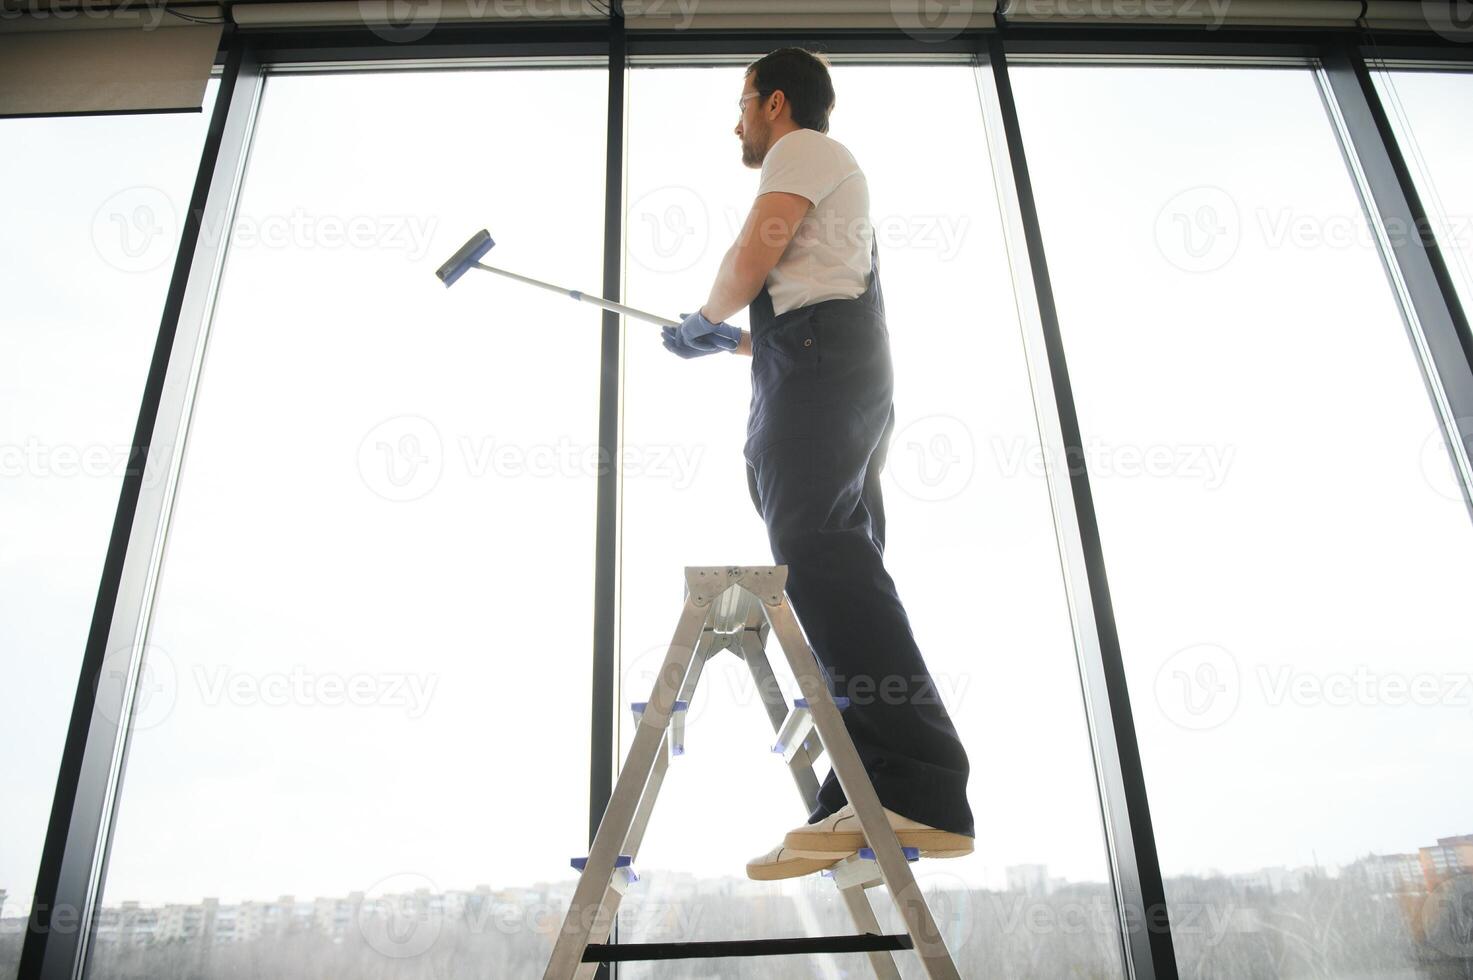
x: 733, y: 607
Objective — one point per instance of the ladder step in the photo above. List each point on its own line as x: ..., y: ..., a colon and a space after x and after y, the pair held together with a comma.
x: 864, y: 943
x: 797, y: 726
x: 839, y: 702
x: 622, y: 861
x: 638, y: 706
x: 622, y: 877
x: 677, y: 722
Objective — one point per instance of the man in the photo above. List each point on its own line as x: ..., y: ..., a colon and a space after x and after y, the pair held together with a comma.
x: 817, y: 432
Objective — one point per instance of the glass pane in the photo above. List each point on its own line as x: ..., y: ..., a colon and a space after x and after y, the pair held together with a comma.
x: 1290, y: 583
x: 1429, y: 111
x: 970, y: 543
x: 373, y: 623
x: 85, y: 263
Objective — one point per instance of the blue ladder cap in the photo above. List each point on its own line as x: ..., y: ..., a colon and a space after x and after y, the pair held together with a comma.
x: 622, y: 861
x: 840, y: 703
x: 911, y: 853
x: 641, y: 705
x: 465, y: 258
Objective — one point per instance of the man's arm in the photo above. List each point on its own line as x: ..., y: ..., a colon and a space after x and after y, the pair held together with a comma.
x: 769, y: 227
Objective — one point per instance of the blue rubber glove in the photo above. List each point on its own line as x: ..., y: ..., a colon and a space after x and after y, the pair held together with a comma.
x: 697, y: 336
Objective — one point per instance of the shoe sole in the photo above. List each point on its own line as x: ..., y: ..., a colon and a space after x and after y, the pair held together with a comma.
x: 837, y: 843
x: 793, y: 867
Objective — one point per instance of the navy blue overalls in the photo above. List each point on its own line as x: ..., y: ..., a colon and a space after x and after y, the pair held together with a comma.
x: 819, y: 427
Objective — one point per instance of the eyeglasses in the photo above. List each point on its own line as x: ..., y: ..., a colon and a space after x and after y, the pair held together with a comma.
x: 742, y: 102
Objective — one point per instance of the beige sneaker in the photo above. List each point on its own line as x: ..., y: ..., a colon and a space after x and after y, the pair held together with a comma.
x: 783, y: 863
x: 839, y: 834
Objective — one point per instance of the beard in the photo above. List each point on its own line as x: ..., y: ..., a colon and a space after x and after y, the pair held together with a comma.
x: 754, y: 146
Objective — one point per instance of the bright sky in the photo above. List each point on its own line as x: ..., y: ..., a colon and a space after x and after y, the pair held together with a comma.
x: 388, y: 485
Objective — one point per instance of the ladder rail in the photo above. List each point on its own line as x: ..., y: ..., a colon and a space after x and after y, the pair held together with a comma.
x: 930, y: 946
x: 592, y: 892
x: 737, y: 608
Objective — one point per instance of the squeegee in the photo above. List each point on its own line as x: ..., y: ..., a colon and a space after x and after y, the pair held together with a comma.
x: 469, y: 255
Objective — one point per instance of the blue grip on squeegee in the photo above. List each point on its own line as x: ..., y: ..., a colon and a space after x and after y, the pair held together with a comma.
x: 470, y: 253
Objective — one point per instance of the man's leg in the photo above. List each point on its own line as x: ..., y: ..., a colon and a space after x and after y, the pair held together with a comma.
x: 820, y: 501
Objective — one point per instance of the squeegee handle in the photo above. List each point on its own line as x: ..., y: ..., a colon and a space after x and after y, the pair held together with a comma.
x: 575, y: 294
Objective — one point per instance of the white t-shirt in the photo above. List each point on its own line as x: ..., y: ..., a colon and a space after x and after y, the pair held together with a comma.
x: 829, y: 256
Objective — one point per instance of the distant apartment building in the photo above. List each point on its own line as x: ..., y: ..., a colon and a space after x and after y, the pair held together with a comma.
x: 1277, y: 880
x: 1030, y: 879
x: 1388, y: 874
x: 1448, y: 857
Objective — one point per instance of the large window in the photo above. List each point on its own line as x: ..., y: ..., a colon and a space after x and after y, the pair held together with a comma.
x: 1290, y: 582
x: 373, y: 622
x: 1429, y: 112
x: 85, y: 262
x: 970, y: 542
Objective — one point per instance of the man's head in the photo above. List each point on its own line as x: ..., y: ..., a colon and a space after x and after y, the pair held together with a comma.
x: 782, y: 91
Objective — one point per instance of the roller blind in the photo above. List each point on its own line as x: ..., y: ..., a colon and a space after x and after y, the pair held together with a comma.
x: 1386, y: 14
x: 137, y: 60
x: 920, y: 17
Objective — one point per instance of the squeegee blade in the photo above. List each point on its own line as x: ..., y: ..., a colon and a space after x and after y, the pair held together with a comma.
x: 469, y: 254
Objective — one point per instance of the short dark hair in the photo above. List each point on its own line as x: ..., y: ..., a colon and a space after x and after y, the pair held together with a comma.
x: 803, y: 78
